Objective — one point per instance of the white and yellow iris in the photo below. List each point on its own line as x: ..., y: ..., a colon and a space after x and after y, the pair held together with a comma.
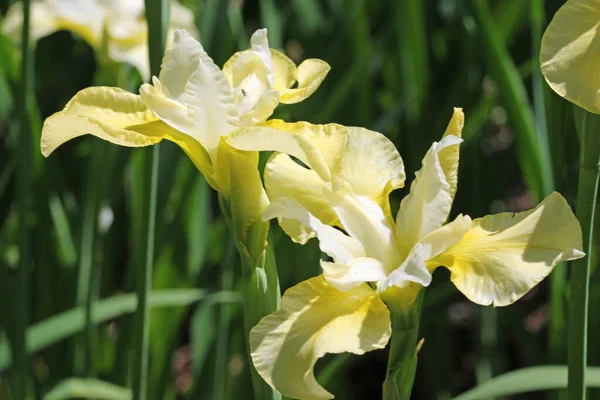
x: 342, y: 199
x: 570, y: 53
x: 195, y: 104
x: 115, y: 26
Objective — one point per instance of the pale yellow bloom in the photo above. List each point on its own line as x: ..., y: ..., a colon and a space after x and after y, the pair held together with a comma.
x: 570, y: 53
x: 115, y: 26
x: 342, y: 199
x: 194, y: 104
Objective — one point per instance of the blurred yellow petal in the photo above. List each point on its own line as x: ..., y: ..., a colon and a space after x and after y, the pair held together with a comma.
x: 318, y: 146
x: 309, y: 74
x: 503, y: 256
x: 316, y: 319
x: 192, y: 94
x: 333, y: 242
x: 306, y: 188
x: 371, y: 165
x: 43, y: 21
x: 569, y: 53
x: 136, y: 55
x: 111, y: 114
x: 427, y: 205
x: 450, y: 155
x: 284, y: 69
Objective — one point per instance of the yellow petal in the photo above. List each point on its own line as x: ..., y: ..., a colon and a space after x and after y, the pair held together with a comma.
x: 111, y: 114
x: 413, y: 269
x: 316, y: 319
x: 192, y: 94
x: 427, y: 205
x: 284, y: 69
x: 333, y: 242
x: 569, y: 55
x: 371, y: 165
x: 135, y: 55
x: 286, y: 178
x: 503, y: 256
x: 318, y: 146
x: 345, y: 276
x: 43, y: 21
x: 449, y: 156
x: 309, y: 75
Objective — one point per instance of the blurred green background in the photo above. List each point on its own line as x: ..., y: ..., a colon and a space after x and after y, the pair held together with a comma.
x: 398, y: 67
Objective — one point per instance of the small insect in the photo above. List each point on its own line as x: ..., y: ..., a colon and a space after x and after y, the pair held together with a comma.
x: 244, y: 92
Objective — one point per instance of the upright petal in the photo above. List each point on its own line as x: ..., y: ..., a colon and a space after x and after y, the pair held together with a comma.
x: 284, y: 70
x: 427, y: 205
x: 335, y: 243
x: 449, y: 156
x: 309, y: 74
x: 503, y: 256
x: 569, y: 55
x: 316, y: 319
x: 318, y: 146
x: 286, y: 178
x: 192, y: 94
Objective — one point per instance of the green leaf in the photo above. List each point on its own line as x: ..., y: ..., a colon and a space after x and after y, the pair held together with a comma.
x: 87, y: 388
x: 527, y: 380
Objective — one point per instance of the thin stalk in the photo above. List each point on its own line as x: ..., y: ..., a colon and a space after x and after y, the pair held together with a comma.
x: 21, y: 300
x: 587, y: 190
x: 157, y: 15
x: 402, y: 359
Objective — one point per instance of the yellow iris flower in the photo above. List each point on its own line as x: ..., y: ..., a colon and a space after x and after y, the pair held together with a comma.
x: 569, y: 54
x: 342, y: 199
x: 117, y: 27
x: 195, y: 104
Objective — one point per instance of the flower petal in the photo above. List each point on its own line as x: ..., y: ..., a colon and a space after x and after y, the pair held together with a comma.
x: 449, y: 155
x: 286, y: 178
x: 367, y: 222
x: 335, y: 243
x: 413, y: 269
x: 427, y: 205
x: 43, y: 21
x: 371, y: 165
x: 284, y: 69
x: 353, y: 273
x: 309, y: 75
x: 192, y: 94
x: 503, y: 256
x: 318, y: 146
x: 569, y: 57
x: 316, y: 319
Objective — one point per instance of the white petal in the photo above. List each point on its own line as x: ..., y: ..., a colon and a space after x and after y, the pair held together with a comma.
x: 353, y: 273
x: 413, y: 269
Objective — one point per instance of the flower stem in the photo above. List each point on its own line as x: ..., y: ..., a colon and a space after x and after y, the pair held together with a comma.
x: 588, y: 127
x: 402, y: 360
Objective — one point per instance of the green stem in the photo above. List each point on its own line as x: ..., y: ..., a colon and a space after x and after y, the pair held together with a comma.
x: 21, y: 300
x: 402, y: 359
x: 587, y: 190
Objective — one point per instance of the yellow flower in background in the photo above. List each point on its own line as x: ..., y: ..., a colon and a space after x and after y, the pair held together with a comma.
x: 570, y: 53
x: 194, y: 104
x: 122, y: 21
x: 376, y: 261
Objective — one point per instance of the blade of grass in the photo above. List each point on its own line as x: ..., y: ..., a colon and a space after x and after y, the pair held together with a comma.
x: 59, y: 327
x: 533, y: 159
x: 89, y: 389
x: 157, y: 15
x: 21, y: 299
x: 269, y: 15
x: 588, y: 129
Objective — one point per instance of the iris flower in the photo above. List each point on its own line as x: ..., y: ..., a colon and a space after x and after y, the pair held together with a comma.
x: 569, y: 55
x: 117, y: 27
x: 339, y: 194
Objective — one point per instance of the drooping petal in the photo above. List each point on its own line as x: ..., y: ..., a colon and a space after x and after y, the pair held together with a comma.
x: 413, y: 269
x: 503, y: 256
x: 371, y: 165
x: 345, y: 276
x: 366, y: 221
x: 449, y: 156
x: 117, y: 116
x: 192, y: 94
x: 427, y: 205
x: 284, y: 69
x: 286, y: 178
x: 335, y: 243
x: 569, y: 55
x: 318, y: 146
x: 43, y: 21
x: 316, y: 319
x: 309, y: 74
